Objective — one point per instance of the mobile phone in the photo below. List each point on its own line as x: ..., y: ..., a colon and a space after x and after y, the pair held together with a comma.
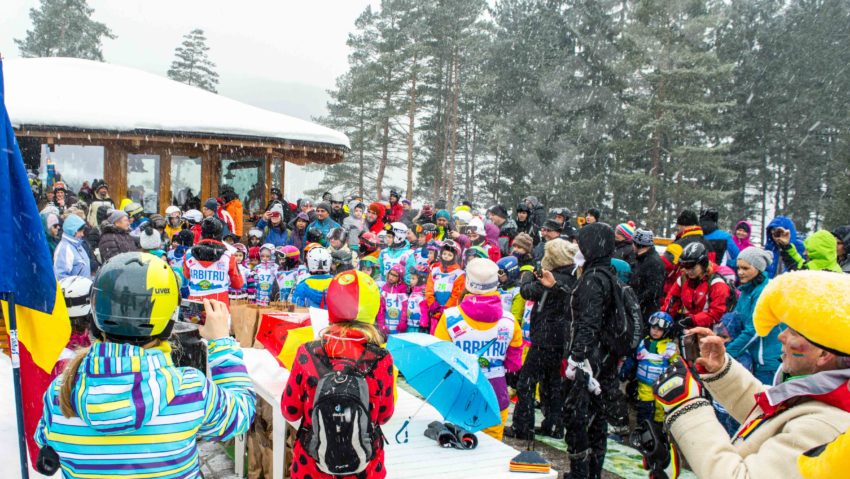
x: 193, y: 311
x: 690, y: 348
x: 778, y: 232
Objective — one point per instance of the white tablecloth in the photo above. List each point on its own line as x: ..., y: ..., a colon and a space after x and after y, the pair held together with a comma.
x: 420, y: 457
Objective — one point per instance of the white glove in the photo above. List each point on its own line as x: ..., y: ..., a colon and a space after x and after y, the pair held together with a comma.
x: 572, y: 365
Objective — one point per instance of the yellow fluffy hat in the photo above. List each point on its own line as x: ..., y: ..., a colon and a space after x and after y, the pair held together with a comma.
x: 816, y: 304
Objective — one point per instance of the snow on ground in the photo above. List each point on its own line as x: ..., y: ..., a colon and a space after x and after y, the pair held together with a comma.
x: 84, y: 94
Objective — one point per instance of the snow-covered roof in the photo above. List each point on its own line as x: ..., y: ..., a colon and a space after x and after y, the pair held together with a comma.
x: 88, y: 95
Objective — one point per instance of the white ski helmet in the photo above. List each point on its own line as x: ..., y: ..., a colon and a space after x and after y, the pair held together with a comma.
x: 463, y: 217
x: 319, y: 260
x: 256, y: 233
x: 399, y: 231
x: 478, y: 226
x: 171, y: 210
x: 194, y: 216
x: 77, y: 293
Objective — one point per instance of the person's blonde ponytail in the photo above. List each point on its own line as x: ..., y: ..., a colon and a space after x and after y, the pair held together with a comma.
x: 69, y: 378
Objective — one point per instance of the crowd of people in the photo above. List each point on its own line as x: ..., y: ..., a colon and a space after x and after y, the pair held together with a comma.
x: 763, y: 329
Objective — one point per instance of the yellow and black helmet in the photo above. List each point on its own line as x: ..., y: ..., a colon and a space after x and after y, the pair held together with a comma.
x: 135, y: 298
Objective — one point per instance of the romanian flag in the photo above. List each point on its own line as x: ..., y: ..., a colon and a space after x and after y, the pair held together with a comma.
x: 26, y: 269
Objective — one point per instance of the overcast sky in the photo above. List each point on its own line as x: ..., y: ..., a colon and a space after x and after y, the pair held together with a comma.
x: 277, y: 54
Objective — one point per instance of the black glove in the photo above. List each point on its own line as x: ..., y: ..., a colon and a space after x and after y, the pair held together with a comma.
x: 686, y: 323
x: 676, y: 386
x: 47, y: 462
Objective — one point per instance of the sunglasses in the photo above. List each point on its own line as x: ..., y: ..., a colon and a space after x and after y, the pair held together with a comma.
x: 56, y: 226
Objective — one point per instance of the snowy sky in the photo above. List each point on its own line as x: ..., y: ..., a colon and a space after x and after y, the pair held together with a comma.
x: 276, y: 54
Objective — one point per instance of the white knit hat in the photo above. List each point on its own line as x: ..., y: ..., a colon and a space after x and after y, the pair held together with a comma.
x: 482, y: 276
x: 150, y: 241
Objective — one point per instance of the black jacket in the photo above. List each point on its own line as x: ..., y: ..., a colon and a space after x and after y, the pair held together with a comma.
x: 114, y: 241
x: 550, y: 316
x: 648, y: 281
x: 592, y: 303
x: 528, y: 227
x: 623, y: 250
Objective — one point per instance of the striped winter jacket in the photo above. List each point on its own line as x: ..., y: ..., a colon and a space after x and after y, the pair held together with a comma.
x: 139, y: 415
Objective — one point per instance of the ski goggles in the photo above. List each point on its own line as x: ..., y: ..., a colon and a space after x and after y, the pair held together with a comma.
x: 660, y: 321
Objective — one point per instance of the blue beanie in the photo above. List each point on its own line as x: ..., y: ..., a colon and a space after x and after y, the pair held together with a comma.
x: 444, y: 214
x: 72, y: 224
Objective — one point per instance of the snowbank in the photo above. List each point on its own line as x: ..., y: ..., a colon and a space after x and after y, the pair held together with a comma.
x: 84, y: 94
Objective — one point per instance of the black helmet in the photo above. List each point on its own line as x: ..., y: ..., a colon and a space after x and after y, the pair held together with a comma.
x: 709, y: 214
x: 276, y: 191
x: 342, y: 256
x: 693, y: 254
x: 394, y: 193
x: 336, y: 234
x: 135, y: 298
x: 212, y: 228
x: 314, y: 235
x: 523, y: 207
x: 565, y: 212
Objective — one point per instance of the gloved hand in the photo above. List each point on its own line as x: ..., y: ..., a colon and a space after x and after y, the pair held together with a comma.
x: 686, y: 323
x: 593, y: 386
x: 572, y: 365
x: 676, y: 386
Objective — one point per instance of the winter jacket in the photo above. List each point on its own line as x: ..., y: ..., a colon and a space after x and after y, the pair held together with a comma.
x: 446, y: 283
x: 395, y: 213
x: 507, y: 232
x: 323, y: 225
x: 648, y: 281
x: 114, y: 241
x: 493, y: 241
x: 778, y: 267
x: 550, y: 316
x: 528, y: 227
x: 395, y: 254
x: 724, y: 247
x: 353, y: 227
x: 300, y: 391
x: 703, y: 300
x: 311, y: 292
x: 538, y: 212
x: 765, y: 351
x: 338, y: 215
x: 778, y: 423
x: 745, y: 243
x: 392, y: 315
x: 592, y: 303
x: 234, y: 208
x: 298, y: 238
x: 276, y: 235
x: 91, y: 217
x: 139, y: 415
x: 671, y: 255
x: 821, y: 250
x: 483, y: 312
x: 623, y: 250
x: 71, y: 259
x: 197, y: 269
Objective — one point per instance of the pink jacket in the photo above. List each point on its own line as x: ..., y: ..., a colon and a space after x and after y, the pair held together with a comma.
x: 382, y: 321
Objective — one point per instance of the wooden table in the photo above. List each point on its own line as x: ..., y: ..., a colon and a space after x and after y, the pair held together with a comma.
x: 420, y: 457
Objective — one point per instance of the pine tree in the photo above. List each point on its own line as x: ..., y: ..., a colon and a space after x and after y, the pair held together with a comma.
x: 192, y: 66
x: 64, y: 28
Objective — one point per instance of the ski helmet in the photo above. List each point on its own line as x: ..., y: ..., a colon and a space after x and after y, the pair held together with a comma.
x: 662, y: 320
x: 256, y: 233
x: 319, y: 260
x: 135, y: 298
x: 133, y: 209
x: 694, y: 254
x: 523, y: 207
x: 77, y: 292
x: 342, y: 257
x: 336, y: 234
x: 171, y: 210
x: 475, y: 252
x: 314, y: 235
x: 399, y: 231
x: 398, y: 269
x: 369, y: 262
x: 193, y: 216
x: 453, y: 247
x: 368, y: 242
x: 509, y: 266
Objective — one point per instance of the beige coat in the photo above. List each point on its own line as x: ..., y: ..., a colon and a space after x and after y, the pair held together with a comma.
x: 770, y: 451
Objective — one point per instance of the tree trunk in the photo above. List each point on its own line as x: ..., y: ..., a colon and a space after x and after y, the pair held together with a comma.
x: 361, y: 160
x: 411, y: 120
x: 446, y: 126
x: 456, y: 95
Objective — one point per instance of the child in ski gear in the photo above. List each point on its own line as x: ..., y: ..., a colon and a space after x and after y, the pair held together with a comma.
x: 512, y: 300
x: 351, y: 342
x: 392, y: 317
x: 122, y: 405
x: 209, y: 266
x: 311, y: 291
x: 416, y: 306
x: 265, y: 276
x: 288, y: 270
x: 398, y: 252
x: 445, y: 284
x: 241, y: 256
x: 369, y: 265
x: 653, y: 356
x: 479, y: 320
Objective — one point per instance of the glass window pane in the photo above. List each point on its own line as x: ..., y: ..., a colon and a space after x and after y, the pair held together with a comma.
x: 277, y: 162
x: 186, y: 182
x: 143, y: 181
x: 247, y: 176
x: 74, y: 164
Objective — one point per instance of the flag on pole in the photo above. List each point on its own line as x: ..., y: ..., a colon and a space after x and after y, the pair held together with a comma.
x: 26, y: 269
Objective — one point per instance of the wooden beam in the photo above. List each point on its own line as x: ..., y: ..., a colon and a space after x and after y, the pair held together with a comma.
x: 267, y: 177
x: 281, y: 173
x: 305, y: 151
x: 164, y: 180
x: 115, y: 171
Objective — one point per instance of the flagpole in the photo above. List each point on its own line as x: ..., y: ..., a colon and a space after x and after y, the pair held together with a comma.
x: 14, y: 348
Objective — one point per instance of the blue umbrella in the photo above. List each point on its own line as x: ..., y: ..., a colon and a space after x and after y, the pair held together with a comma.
x: 449, y: 379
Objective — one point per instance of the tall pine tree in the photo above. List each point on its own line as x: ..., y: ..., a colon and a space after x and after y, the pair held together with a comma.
x: 64, y: 28
x: 192, y: 65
